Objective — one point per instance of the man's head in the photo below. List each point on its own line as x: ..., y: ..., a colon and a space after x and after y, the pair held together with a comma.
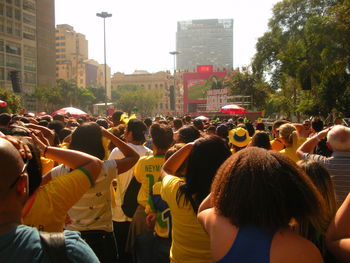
x: 13, y: 182
x: 339, y: 138
x: 5, y: 119
x: 116, y: 118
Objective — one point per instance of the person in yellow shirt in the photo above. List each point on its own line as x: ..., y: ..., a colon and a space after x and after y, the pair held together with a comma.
x: 290, y: 138
x: 190, y: 243
x: 276, y: 143
x: 147, y: 172
x: 47, y: 205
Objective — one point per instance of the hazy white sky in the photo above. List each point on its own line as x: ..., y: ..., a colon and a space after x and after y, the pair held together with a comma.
x: 141, y: 33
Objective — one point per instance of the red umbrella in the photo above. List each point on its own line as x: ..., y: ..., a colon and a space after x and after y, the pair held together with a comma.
x: 232, y: 109
x: 70, y: 111
x: 3, y: 103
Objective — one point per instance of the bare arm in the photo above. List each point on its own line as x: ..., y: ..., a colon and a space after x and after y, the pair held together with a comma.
x: 176, y: 160
x: 73, y: 159
x: 338, y: 234
x: 131, y: 156
x: 49, y: 134
x: 309, y: 145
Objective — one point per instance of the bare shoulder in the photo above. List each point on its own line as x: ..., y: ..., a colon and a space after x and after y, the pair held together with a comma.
x: 289, y: 247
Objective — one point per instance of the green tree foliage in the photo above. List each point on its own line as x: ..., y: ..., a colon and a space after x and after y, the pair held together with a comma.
x: 65, y: 94
x: 247, y: 84
x: 129, y: 97
x: 308, y: 42
x: 13, y: 102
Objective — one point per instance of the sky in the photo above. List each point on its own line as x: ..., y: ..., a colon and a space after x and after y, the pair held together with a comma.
x: 141, y: 33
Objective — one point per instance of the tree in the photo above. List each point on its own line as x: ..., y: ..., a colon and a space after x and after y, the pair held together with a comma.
x: 307, y: 41
x: 13, y: 102
x: 247, y: 84
x: 129, y: 97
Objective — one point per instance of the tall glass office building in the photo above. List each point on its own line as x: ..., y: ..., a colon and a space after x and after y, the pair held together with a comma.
x: 204, y: 42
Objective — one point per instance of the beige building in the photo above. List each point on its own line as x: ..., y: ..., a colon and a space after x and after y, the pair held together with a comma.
x: 27, y: 26
x: 169, y: 99
x: 72, y: 60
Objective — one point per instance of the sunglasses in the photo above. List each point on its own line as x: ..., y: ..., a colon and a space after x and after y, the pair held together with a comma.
x: 24, y: 169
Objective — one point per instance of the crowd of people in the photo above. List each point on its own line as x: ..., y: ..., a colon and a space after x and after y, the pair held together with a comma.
x: 117, y: 189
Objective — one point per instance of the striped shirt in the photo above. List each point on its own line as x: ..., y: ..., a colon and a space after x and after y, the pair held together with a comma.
x: 338, y: 165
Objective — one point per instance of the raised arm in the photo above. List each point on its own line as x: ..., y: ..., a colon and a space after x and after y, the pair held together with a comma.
x: 338, y: 234
x: 176, y: 160
x: 48, y: 134
x: 309, y: 145
x: 73, y: 159
x: 131, y: 156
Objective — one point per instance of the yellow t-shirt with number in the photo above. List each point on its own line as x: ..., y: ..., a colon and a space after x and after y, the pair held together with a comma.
x: 147, y: 172
x: 190, y: 243
x: 52, y: 201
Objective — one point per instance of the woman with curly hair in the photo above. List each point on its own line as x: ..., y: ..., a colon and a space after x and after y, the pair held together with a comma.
x: 255, y: 195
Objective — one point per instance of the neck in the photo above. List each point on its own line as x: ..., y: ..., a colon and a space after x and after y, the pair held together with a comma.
x: 9, y: 222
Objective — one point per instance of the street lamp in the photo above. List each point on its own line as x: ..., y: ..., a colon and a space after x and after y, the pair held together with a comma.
x: 104, y: 15
x: 174, y: 53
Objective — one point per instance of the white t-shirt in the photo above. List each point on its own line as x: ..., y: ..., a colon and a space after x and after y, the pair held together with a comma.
x: 123, y: 181
x: 93, y: 210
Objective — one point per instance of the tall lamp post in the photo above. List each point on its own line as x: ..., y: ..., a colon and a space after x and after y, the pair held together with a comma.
x: 105, y: 15
x: 174, y: 53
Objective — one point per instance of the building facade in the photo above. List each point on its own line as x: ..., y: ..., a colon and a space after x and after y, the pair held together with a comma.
x: 27, y: 26
x: 204, y: 42
x: 161, y: 84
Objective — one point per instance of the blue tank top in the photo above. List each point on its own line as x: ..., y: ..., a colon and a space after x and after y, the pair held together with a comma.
x: 250, y: 246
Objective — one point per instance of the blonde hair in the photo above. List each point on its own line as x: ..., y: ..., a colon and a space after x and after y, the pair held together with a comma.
x: 289, y: 134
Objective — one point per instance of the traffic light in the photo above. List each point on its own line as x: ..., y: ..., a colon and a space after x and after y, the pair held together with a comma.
x: 16, y: 81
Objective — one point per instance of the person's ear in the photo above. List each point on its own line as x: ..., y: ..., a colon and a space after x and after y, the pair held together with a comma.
x: 22, y: 186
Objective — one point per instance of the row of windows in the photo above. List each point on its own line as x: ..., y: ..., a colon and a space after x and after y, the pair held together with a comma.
x: 58, y: 50
x: 60, y: 44
x: 14, y: 48
x: 28, y: 77
x: 60, y: 56
x: 15, y: 62
x: 13, y: 28
x: 15, y: 13
x: 60, y: 37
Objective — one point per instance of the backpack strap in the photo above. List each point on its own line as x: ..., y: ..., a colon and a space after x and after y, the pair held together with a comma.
x: 54, y: 246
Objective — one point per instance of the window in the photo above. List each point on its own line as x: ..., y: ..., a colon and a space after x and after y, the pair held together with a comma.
x: 2, y: 25
x: 2, y: 46
x: 2, y: 9
x: 18, y: 14
x: 13, y: 48
x: 28, y: 19
x: 9, y: 27
x: 29, y: 5
x: 17, y: 29
x: 28, y: 33
x: 30, y: 64
x: 2, y: 74
x: 2, y: 60
x: 9, y: 11
x: 29, y: 52
x: 13, y: 62
x: 29, y: 77
x: 9, y: 1
x: 18, y: 3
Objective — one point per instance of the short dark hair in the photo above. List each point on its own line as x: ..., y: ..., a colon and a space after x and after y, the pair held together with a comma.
x: 198, y: 124
x: 188, y: 134
x: 177, y: 124
x: 262, y: 140
x: 278, y: 123
x: 138, y: 129
x: 103, y: 123
x: 116, y: 116
x: 265, y: 189
x: 317, y: 124
x: 5, y: 119
x: 162, y: 136
x: 148, y: 122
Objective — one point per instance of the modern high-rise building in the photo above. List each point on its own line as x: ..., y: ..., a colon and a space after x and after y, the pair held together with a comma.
x: 27, y: 26
x: 204, y: 42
